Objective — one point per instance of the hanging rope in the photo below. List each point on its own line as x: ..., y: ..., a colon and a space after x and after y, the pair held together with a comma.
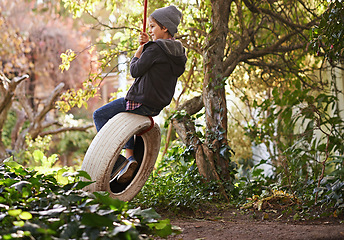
x: 144, y: 30
x: 145, y: 15
x: 148, y: 129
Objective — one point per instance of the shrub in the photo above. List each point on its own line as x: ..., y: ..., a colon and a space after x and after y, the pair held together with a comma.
x: 37, y: 206
x: 176, y: 184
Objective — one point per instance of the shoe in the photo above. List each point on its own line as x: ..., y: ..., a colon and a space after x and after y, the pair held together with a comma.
x: 119, y: 165
x: 127, y: 173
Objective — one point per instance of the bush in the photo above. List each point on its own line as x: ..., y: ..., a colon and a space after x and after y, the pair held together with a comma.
x: 37, y: 206
x: 176, y: 184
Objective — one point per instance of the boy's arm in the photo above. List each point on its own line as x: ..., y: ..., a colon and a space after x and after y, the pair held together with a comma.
x: 139, y: 66
x: 139, y: 51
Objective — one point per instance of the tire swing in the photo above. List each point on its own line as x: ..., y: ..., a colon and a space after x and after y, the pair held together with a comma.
x: 104, y: 153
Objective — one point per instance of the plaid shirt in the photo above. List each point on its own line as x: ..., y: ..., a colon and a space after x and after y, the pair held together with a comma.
x: 131, y: 105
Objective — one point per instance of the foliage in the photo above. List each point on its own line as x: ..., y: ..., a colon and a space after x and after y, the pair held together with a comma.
x: 330, y: 190
x: 327, y: 36
x: 220, y: 36
x: 175, y: 184
x: 32, y: 45
x: 72, y: 145
x: 36, y: 206
x: 8, y: 126
x: 254, y: 183
x: 299, y: 121
x: 304, y: 130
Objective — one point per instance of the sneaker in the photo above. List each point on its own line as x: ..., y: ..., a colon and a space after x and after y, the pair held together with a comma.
x: 127, y: 173
x: 119, y: 165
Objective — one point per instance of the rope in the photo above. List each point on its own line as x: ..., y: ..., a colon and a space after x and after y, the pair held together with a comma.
x: 145, y: 15
x: 144, y: 30
x: 148, y: 129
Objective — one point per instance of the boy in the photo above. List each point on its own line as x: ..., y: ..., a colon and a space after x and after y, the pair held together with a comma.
x: 156, y: 66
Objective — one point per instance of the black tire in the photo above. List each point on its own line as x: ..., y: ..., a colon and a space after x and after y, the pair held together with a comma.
x: 106, y: 147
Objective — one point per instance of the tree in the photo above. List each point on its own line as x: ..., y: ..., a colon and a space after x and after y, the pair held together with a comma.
x: 32, y: 45
x: 268, y: 38
x: 328, y: 34
x: 267, y: 35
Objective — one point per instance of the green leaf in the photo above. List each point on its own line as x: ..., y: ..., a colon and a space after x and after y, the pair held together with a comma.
x: 80, y: 185
x: 38, y: 155
x: 19, y: 185
x: 163, y: 228
x: 25, y: 216
x: 60, y: 178
x: 11, y: 164
x: 14, y: 212
x: 149, y: 214
x: 69, y: 230
x: 56, y: 210
x: 95, y: 220
x: 18, y: 223
x: 84, y: 174
x: 121, y: 229
x: 115, y: 204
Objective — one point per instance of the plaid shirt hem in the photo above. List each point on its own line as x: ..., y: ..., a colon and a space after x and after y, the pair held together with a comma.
x: 131, y: 105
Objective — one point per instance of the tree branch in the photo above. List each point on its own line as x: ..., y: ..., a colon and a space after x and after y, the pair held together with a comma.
x: 279, y: 17
x: 65, y: 129
x: 49, y: 103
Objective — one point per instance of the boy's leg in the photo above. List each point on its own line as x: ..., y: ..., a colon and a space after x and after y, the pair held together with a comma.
x: 103, y: 114
x: 129, y: 152
x: 126, y: 173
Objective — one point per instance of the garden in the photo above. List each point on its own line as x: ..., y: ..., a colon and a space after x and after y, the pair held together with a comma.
x: 251, y: 144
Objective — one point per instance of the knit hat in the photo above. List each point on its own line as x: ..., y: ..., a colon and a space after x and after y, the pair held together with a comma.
x: 169, y: 17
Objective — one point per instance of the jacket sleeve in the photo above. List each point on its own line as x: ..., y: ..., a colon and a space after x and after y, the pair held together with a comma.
x: 139, y: 66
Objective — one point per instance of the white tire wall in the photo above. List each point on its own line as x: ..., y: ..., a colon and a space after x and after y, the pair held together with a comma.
x: 105, y: 148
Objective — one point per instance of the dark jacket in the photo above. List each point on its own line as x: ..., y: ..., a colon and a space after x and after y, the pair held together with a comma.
x: 156, y: 73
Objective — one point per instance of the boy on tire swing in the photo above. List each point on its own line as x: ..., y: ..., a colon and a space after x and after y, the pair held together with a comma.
x: 156, y: 66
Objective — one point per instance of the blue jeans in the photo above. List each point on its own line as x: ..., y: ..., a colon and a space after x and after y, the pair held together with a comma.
x: 103, y: 114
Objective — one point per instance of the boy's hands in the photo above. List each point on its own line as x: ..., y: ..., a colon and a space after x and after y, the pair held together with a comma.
x: 143, y: 38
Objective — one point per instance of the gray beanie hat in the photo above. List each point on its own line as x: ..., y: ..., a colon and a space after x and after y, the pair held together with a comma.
x: 169, y: 17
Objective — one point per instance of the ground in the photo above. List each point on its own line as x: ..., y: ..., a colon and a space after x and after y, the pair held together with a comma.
x: 231, y: 223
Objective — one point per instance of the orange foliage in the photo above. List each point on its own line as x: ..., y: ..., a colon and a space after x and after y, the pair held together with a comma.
x: 33, y: 44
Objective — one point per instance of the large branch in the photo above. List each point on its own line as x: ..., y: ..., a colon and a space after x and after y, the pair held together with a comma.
x: 240, y: 55
x: 8, y: 89
x: 183, y: 125
x: 270, y: 50
x: 49, y: 103
x: 37, y: 124
x: 279, y: 17
x: 65, y: 129
x: 100, y: 23
x: 24, y: 102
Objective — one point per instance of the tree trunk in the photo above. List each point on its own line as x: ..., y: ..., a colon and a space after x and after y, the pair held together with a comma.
x: 213, y: 154
x: 7, y: 90
x: 214, y: 96
x: 203, y: 154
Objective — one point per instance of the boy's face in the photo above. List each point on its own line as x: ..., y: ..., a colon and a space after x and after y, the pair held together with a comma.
x: 155, y: 30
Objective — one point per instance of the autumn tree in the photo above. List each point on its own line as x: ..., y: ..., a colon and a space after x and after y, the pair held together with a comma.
x: 32, y: 47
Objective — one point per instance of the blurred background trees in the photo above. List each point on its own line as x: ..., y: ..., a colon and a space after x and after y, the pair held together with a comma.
x: 35, y: 36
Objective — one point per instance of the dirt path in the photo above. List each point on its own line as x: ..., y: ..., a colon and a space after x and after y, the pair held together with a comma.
x: 244, y: 230
x: 231, y: 225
